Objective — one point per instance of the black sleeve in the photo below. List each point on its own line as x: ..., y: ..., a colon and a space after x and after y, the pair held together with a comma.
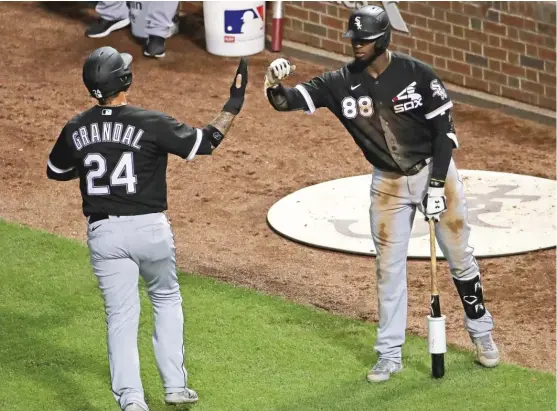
x: 308, y: 96
x: 437, y: 111
x: 444, y: 139
x: 316, y: 92
x: 286, y: 98
x: 61, y: 163
x: 177, y: 138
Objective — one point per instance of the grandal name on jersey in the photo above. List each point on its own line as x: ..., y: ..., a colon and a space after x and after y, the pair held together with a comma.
x: 107, y: 132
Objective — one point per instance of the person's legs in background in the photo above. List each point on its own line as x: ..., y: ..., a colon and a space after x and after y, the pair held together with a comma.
x: 113, y: 15
x: 159, y: 26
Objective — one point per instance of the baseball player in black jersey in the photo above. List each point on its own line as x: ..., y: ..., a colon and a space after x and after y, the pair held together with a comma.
x: 119, y: 153
x: 399, y: 114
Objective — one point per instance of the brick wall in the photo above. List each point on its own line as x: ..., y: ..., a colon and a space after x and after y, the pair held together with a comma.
x: 500, y: 47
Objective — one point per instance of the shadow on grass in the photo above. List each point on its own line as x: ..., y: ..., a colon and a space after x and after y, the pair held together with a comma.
x: 29, y: 354
x: 342, y: 397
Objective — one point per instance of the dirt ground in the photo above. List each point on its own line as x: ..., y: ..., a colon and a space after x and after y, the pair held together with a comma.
x: 218, y: 204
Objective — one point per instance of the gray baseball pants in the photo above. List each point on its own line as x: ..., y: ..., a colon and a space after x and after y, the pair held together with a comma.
x: 159, y: 14
x: 394, y: 201
x: 121, y: 250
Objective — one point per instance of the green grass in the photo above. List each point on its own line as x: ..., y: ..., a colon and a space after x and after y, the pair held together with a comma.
x: 245, y: 350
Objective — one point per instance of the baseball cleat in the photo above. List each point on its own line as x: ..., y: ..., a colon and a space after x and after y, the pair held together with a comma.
x: 155, y: 47
x: 103, y: 28
x: 185, y: 397
x: 134, y: 407
x: 487, y: 353
x: 383, y: 369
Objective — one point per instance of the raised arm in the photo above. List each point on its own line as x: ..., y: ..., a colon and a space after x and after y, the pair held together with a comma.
x: 187, y: 142
x: 306, y: 96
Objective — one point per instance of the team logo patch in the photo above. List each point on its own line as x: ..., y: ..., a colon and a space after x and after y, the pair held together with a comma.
x: 244, y: 25
x: 414, y: 100
x: 358, y: 23
x: 438, y: 89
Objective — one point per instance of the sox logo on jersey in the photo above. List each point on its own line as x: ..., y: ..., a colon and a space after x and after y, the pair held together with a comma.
x: 409, y: 93
x: 438, y: 90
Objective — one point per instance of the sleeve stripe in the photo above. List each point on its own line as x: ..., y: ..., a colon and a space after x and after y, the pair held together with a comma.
x: 307, y: 97
x: 439, y: 110
x: 198, y: 139
x: 56, y: 169
x: 452, y: 136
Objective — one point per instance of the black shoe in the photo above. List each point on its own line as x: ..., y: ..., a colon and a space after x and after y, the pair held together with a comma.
x: 155, y: 47
x: 103, y: 28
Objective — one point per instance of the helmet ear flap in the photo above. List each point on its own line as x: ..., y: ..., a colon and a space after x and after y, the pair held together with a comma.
x: 126, y: 79
x: 383, y: 42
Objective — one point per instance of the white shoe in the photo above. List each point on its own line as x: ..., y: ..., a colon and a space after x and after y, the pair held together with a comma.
x: 185, y: 397
x: 134, y: 407
x: 487, y: 353
x: 383, y: 369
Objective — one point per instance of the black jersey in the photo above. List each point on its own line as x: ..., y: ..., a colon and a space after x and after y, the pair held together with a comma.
x: 120, y: 155
x: 388, y: 116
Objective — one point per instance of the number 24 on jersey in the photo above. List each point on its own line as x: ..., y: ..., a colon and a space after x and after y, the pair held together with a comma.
x: 122, y: 175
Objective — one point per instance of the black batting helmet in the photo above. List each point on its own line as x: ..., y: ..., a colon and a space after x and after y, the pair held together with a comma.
x: 107, y: 72
x: 370, y: 23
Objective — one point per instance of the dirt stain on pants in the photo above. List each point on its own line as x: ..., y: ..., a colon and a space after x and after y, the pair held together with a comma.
x: 394, y: 201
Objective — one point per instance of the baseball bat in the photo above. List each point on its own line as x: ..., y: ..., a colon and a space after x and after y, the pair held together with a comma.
x: 436, y: 329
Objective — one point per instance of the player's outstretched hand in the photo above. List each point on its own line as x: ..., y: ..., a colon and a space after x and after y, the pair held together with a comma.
x: 238, y: 88
x: 278, y: 70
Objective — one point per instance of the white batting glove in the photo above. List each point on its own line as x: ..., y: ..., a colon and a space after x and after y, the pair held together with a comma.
x: 434, y: 203
x: 278, y: 70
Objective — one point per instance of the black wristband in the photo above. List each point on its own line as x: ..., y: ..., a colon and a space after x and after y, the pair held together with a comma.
x: 436, y: 183
x: 233, y: 105
x: 214, y: 135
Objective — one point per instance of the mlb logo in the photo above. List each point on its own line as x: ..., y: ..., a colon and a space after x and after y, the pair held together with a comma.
x: 249, y: 22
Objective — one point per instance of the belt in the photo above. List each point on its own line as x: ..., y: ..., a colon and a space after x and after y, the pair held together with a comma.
x: 416, y: 168
x: 93, y: 218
